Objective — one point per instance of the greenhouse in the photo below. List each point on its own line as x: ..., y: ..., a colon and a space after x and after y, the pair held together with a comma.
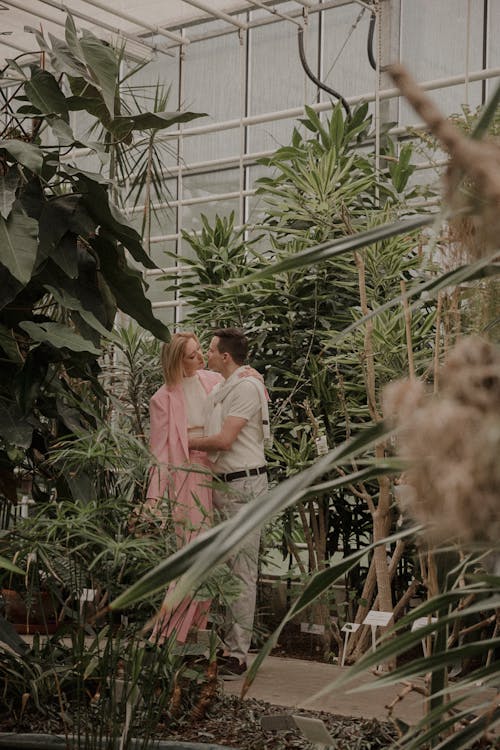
x: 250, y: 374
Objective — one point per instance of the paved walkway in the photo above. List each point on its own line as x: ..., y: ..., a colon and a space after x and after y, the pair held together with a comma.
x: 295, y: 684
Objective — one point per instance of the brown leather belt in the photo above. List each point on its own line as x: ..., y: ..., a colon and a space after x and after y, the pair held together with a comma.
x: 241, y: 474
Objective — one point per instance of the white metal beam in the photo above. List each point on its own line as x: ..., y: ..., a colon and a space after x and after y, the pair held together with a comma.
x: 138, y: 22
x: 273, y: 11
x: 218, y: 13
x: 21, y: 6
x: 292, y: 113
x: 5, y: 43
x: 96, y: 22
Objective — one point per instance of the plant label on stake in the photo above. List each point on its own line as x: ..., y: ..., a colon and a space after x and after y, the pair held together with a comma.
x: 315, y: 629
x: 377, y: 619
x: 348, y: 628
x: 421, y: 622
x: 313, y: 730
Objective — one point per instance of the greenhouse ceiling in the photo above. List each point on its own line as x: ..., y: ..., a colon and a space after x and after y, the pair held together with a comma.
x: 151, y: 27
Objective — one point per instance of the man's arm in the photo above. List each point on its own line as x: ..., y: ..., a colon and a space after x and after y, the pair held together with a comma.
x: 221, y: 441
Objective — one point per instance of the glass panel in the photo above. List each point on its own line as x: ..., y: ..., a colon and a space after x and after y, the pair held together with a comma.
x: 493, y: 48
x: 213, y: 78
x: 346, y: 68
x: 269, y: 136
x: 434, y: 40
x: 157, y: 289
x: 158, y: 253
x: 166, y: 315
x: 277, y: 79
x: 160, y: 77
x: 256, y: 205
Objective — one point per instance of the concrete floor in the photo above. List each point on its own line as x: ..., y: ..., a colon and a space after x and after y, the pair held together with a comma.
x: 297, y: 684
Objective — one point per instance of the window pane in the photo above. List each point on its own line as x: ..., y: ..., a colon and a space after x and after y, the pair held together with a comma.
x: 213, y: 78
x: 346, y: 68
x: 277, y: 78
x: 434, y: 45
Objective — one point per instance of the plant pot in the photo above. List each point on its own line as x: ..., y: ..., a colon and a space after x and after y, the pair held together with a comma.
x: 40, y: 618
x: 12, y: 741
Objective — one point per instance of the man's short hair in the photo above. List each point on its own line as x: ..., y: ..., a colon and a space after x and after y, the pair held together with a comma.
x: 234, y: 342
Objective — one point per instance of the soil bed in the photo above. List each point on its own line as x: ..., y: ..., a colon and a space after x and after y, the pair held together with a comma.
x: 236, y: 723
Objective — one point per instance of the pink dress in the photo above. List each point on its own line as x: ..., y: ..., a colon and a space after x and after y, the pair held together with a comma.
x: 191, y: 498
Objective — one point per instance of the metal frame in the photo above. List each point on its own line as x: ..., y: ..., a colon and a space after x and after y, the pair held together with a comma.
x: 135, y: 29
x: 173, y: 38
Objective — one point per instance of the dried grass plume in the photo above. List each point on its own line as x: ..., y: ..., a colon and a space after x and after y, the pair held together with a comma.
x: 451, y: 442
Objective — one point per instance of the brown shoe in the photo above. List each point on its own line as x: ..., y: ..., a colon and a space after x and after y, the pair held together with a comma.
x: 230, y: 668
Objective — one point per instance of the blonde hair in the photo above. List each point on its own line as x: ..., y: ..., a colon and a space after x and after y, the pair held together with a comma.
x: 171, y: 356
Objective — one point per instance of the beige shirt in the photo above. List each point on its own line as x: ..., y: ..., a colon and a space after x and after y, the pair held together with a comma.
x: 195, y: 399
x: 247, y: 451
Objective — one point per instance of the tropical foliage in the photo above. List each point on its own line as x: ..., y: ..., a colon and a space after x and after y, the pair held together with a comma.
x: 458, y: 622
x: 69, y: 259
x: 324, y: 384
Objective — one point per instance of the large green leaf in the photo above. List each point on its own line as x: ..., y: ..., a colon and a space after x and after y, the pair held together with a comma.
x: 44, y: 92
x: 8, y: 185
x: 65, y: 255
x: 9, y: 344
x: 18, y: 245
x: 27, y: 154
x: 127, y: 286
x: 55, y: 221
x: 63, y: 60
x: 96, y: 198
x: 72, y: 303
x: 58, y: 335
x: 102, y: 62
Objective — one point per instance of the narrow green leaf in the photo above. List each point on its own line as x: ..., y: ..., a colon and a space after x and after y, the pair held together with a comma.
x: 9, y: 344
x: 8, y: 565
x: 173, y: 567
x: 335, y: 248
x: 97, y: 201
x: 155, y: 120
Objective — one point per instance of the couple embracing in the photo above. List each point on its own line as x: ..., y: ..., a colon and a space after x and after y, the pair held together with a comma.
x: 210, y: 420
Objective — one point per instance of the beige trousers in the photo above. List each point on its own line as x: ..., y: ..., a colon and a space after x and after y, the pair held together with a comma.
x: 243, y: 564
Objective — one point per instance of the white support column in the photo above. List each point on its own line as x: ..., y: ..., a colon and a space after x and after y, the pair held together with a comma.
x: 389, y: 39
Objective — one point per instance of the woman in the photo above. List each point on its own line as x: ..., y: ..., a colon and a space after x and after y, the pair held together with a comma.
x: 177, y: 413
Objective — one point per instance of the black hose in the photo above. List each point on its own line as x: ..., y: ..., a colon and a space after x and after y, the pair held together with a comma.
x: 315, y: 80
x: 369, y: 44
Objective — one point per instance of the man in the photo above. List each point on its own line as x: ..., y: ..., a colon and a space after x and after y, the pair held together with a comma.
x: 236, y: 428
